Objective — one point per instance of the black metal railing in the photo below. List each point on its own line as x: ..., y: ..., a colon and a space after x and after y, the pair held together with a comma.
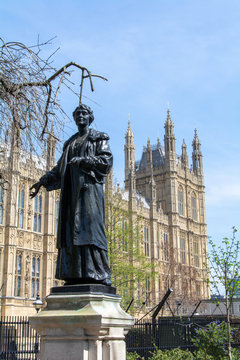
x: 167, y: 333
x: 163, y: 334
x: 18, y: 341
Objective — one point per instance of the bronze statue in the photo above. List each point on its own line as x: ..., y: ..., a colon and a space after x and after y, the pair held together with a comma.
x: 81, y: 241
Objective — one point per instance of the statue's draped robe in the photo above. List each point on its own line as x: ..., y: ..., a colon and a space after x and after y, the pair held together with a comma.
x: 81, y: 239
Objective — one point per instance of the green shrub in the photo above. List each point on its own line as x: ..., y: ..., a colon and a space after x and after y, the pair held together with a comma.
x: 235, y: 354
x: 177, y: 354
x: 201, y: 355
x: 211, y: 344
x: 174, y: 354
x: 133, y: 356
x: 211, y: 341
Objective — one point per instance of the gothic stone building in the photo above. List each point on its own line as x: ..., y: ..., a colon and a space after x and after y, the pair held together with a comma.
x: 27, y: 229
x: 175, y: 231
x: 160, y: 188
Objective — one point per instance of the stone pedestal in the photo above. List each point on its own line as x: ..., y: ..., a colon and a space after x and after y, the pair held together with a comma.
x: 82, y: 323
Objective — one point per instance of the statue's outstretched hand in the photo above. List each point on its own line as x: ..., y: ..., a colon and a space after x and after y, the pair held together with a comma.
x: 35, y: 186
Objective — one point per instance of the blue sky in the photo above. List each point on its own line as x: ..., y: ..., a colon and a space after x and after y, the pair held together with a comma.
x: 154, y: 53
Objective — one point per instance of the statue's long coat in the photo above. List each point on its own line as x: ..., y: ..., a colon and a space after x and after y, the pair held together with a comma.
x: 81, y: 213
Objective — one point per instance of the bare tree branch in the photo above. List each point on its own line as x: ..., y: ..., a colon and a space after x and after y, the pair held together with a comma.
x: 28, y: 90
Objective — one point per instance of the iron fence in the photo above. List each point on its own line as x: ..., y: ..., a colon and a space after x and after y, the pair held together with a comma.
x: 18, y: 341
x: 167, y: 333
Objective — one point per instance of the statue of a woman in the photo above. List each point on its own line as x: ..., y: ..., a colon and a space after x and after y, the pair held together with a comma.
x: 81, y: 241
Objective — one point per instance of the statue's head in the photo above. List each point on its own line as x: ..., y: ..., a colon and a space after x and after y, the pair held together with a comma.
x: 84, y: 111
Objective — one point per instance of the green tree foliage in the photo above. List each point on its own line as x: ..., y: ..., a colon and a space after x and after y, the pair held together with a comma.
x: 131, y: 270
x: 224, y: 270
x: 211, y: 342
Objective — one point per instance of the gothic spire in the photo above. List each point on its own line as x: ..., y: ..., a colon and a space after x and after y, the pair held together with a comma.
x: 129, y: 134
x: 169, y: 138
x: 197, y: 154
x: 129, y: 150
x: 149, y: 155
x: 184, y: 156
x: 168, y: 120
x: 51, y: 148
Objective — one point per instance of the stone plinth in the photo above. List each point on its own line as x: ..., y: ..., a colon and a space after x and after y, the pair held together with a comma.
x: 78, y: 325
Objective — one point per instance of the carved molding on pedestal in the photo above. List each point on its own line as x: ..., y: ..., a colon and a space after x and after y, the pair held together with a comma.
x: 82, y: 326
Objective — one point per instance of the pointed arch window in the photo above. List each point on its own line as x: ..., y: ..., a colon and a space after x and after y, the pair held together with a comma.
x: 182, y: 250
x: 194, y: 206
x: 196, y: 253
x: 35, y: 283
x: 159, y: 285
x: 146, y: 241
x: 165, y: 247
x: 37, y: 220
x: 198, y: 289
x: 18, y: 275
x: 1, y: 203
x: 148, y: 291
x: 21, y: 199
x: 158, y: 247
x: 180, y: 202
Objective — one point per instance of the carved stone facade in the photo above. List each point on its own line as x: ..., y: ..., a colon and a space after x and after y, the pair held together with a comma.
x: 169, y: 197
x: 173, y: 209
x: 27, y: 230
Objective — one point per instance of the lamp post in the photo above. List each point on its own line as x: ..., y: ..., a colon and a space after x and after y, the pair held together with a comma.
x: 38, y: 303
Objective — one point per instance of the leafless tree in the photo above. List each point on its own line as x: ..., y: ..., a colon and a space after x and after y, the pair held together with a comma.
x: 29, y: 89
